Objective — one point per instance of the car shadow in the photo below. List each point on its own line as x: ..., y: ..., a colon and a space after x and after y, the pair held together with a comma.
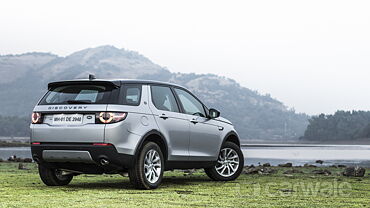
x: 167, y: 182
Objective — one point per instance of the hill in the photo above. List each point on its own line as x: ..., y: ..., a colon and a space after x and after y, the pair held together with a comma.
x: 24, y: 77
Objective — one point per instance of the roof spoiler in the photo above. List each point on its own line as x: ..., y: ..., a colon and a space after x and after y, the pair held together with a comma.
x: 53, y: 85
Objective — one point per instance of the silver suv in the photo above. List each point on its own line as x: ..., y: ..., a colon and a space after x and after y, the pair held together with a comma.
x: 137, y: 127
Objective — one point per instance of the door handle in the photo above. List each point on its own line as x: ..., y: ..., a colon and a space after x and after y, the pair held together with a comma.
x: 194, y: 121
x: 163, y: 116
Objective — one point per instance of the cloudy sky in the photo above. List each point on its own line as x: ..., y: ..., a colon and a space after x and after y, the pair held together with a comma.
x: 312, y: 55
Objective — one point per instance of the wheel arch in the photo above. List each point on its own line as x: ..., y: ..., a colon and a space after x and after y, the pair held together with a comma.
x: 156, y: 137
x: 232, y: 136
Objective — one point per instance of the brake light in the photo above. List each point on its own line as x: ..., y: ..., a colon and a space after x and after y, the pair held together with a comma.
x: 36, y: 118
x: 35, y: 143
x: 110, y: 117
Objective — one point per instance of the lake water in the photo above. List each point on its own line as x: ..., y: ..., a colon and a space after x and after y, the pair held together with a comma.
x: 300, y: 154
x: 274, y: 154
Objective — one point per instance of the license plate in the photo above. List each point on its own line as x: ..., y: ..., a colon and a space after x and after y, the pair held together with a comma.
x: 67, y: 119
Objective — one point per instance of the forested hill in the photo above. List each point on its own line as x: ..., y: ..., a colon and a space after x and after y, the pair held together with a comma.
x: 24, y: 77
x: 342, y: 126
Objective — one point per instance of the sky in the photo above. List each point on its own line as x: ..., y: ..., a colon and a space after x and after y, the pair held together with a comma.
x: 314, y: 56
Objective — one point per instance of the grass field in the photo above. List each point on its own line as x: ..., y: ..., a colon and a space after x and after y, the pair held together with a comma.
x: 23, y: 188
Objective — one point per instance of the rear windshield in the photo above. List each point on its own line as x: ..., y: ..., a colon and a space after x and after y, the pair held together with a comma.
x: 128, y: 94
x: 78, y: 94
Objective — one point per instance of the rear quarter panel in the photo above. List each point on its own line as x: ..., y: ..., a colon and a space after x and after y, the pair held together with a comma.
x: 127, y: 134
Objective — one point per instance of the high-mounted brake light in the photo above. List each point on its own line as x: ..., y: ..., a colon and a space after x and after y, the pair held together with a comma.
x: 36, y: 118
x: 110, y: 117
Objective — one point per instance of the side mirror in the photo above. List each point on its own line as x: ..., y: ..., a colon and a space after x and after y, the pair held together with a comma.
x: 213, y: 113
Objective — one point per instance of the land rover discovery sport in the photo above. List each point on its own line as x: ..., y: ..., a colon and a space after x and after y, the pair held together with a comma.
x: 137, y: 127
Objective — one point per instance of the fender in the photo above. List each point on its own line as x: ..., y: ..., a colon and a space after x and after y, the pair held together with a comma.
x: 146, y: 136
x: 231, y: 133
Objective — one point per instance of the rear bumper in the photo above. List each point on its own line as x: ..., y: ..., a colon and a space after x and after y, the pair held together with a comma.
x: 84, y: 158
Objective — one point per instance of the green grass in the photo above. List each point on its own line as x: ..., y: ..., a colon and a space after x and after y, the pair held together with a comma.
x: 23, y: 188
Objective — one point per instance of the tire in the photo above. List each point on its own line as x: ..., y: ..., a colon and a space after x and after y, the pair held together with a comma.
x: 147, y: 172
x: 53, y: 177
x: 220, y: 172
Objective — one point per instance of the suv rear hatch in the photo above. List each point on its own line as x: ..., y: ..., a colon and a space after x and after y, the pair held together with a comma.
x: 68, y: 112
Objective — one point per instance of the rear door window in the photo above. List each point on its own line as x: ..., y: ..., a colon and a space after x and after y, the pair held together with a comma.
x: 163, y: 99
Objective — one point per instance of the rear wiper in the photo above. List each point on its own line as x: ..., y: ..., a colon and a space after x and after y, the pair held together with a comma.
x: 79, y: 101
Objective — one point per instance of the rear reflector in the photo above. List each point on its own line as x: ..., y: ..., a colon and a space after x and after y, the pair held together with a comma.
x: 35, y: 143
x: 102, y: 144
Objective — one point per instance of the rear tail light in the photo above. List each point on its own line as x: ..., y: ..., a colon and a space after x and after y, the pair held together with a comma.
x: 36, y: 118
x: 110, y: 117
x: 35, y: 143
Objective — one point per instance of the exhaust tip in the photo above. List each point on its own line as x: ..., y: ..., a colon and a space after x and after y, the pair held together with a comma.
x: 104, y: 162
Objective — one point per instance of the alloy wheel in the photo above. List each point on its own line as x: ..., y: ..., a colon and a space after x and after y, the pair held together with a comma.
x: 228, y: 162
x: 152, y: 166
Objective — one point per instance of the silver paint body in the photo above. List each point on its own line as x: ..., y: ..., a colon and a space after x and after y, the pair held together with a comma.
x: 186, y: 141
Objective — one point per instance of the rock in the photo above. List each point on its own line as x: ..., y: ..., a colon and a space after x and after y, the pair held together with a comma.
x: 266, y: 165
x: 292, y: 171
x: 341, y: 166
x: 266, y: 171
x: 309, y: 166
x: 319, y: 161
x: 354, y: 171
x: 286, y: 165
x: 259, y: 170
x: 250, y: 170
x: 321, y: 172
x: 349, y: 171
x: 12, y: 158
x: 22, y: 167
x: 1, y: 160
x: 333, y: 166
x: 18, y: 159
x: 27, y: 160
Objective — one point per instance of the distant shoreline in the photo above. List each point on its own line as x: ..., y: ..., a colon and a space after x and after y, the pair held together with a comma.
x: 14, y: 144
x: 304, y: 142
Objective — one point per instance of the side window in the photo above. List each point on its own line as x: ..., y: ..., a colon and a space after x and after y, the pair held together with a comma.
x: 130, y: 94
x: 164, y: 99
x: 190, y: 104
